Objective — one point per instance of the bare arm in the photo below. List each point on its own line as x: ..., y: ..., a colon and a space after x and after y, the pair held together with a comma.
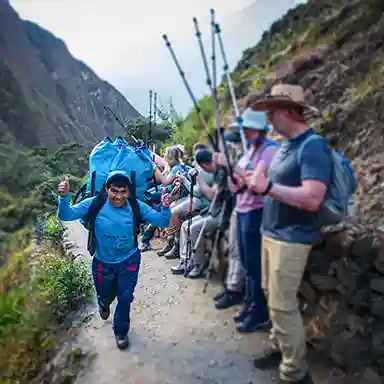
x: 164, y: 179
x: 308, y: 196
x: 208, y: 191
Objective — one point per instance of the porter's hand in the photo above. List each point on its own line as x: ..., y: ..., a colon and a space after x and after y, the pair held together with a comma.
x: 64, y: 186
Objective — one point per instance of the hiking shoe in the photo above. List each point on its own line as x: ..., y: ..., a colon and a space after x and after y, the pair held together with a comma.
x: 173, y: 253
x: 122, y: 341
x: 269, y: 358
x: 197, y: 272
x: 145, y: 247
x: 179, y: 269
x: 229, y: 299
x: 252, y: 323
x: 307, y: 379
x: 219, y: 295
x: 241, y: 315
x: 104, y: 312
x: 166, y: 249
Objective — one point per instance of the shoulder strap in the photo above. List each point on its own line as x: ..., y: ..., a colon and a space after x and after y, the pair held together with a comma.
x: 302, y: 145
x: 136, y: 218
x: 90, y: 219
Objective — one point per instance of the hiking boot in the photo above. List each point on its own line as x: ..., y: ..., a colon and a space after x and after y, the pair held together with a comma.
x: 241, y: 315
x: 219, y: 295
x: 173, y: 253
x: 269, y: 358
x: 145, y: 247
x: 179, y: 269
x: 167, y: 247
x: 307, y: 379
x: 252, y: 322
x: 122, y: 341
x: 104, y: 312
x: 229, y: 299
x: 196, y: 272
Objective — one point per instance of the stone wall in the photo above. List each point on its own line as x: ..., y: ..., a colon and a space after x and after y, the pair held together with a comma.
x: 342, y: 296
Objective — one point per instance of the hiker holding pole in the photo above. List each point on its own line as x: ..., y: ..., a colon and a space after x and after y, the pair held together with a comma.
x: 194, y: 263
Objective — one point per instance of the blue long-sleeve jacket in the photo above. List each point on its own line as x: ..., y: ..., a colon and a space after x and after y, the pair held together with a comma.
x: 113, y: 226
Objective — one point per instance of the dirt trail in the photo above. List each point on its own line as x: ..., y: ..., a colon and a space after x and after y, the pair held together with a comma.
x: 177, y: 336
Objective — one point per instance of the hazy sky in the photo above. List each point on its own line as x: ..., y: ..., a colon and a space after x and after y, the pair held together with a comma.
x: 121, y: 39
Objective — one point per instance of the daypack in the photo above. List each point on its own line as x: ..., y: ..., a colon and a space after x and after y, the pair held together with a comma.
x: 338, y: 202
x: 109, y: 156
x: 90, y: 219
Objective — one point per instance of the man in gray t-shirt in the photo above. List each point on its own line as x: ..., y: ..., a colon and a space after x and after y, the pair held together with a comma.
x: 294, y: 189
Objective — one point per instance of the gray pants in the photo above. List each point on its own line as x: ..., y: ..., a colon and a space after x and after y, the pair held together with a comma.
x: 236, y: 272
x: 211, y: 223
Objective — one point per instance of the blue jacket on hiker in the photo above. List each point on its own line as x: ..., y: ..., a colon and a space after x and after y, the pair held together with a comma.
x: 114, y: 226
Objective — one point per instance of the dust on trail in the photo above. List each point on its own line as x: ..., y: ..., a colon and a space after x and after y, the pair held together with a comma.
x: 177, y: 336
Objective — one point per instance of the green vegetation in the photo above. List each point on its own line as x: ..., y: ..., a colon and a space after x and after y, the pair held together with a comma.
x: 39, y: 286
x: 298, y: 32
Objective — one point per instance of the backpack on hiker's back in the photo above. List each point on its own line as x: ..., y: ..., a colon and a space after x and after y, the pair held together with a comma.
x: 109, y: 156
x: 338, y: 202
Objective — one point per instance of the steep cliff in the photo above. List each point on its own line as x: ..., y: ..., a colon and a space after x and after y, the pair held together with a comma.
x: 48, y: 98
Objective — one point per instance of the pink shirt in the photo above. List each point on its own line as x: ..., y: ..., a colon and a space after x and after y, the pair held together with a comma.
x: 158, y: 159
x: 246, y: 201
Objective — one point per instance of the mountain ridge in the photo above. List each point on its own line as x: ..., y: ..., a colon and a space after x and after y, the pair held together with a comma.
x: 49, y: 97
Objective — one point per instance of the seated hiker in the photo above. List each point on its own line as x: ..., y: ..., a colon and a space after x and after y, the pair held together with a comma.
x: 180, y: 211
x: 208, y: 223
x: 173, y: 157
x: 113, y: 243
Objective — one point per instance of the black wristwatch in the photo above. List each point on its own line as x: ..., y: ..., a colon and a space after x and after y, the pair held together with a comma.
x: 268, y: 189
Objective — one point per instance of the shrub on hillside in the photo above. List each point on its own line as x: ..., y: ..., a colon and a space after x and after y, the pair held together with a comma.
x: 32, y: 307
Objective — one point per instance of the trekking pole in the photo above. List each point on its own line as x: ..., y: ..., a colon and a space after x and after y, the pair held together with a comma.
x: 239, y: 118
x: 219, y: 132
x: 150, y: 120
x: 189, y: 90
x: 190, y: 210
x: 112, y: 114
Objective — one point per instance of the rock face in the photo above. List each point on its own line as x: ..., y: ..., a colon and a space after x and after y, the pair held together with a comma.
x: 343, y: 293
x: 48, y: 98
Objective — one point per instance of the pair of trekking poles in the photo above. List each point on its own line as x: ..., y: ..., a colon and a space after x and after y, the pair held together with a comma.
x: 219, y: 130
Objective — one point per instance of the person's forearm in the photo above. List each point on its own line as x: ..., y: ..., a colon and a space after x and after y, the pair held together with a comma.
x: 68, y: 213
x: 208, y: 192
x: 298, y: 197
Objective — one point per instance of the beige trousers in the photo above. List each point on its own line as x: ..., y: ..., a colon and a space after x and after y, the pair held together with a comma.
x: 283, y: 267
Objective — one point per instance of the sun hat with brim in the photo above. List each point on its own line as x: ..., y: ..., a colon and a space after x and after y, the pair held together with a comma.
x: 252, y: 120
x: 284, y: 95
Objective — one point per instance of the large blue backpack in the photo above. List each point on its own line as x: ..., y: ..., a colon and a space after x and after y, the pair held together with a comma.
x: 109, y: 156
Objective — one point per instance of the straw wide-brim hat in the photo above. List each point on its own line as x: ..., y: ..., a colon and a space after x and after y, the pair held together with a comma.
x: 285, y: 95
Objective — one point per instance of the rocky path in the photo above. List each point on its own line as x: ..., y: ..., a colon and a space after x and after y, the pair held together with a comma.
x: 177, y: 336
